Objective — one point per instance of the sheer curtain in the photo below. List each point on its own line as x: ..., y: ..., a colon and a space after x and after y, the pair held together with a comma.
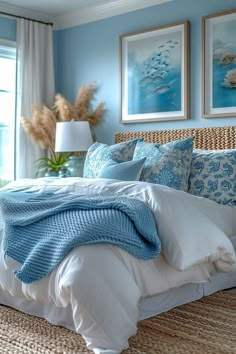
x: 35, y: 86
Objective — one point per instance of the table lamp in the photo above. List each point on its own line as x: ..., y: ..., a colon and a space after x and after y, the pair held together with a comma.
x: 73, y: 136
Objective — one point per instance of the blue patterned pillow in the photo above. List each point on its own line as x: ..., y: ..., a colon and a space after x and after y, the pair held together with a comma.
x: 98, y: 154
x: 167, y: 164
x: 213, y: 174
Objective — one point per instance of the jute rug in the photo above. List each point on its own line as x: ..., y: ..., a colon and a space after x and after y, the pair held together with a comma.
x: 207, y: 326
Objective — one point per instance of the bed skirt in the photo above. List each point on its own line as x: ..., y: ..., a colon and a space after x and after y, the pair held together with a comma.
x: 148, y: 307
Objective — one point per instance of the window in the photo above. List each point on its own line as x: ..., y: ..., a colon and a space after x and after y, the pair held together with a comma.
x: 7, y: 111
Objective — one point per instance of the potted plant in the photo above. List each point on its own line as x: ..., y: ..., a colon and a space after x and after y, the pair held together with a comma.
x: 41, y: 130
x: 52, y: 166
x: 42, y: 127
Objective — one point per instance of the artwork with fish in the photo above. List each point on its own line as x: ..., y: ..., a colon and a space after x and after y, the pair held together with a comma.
x: 154, y: 74
x: 154, y: 66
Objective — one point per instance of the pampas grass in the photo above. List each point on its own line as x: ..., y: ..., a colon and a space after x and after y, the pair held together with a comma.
x: 42, y: 127
x: 96, y: 117
x: 83, y: 105
x: 64, y: 110
x: 83, y: 100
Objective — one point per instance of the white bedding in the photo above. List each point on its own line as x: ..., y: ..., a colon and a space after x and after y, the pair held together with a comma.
x: 103, y: 284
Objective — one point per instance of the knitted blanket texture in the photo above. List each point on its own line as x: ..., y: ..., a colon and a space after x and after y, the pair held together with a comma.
x: 41, y: 229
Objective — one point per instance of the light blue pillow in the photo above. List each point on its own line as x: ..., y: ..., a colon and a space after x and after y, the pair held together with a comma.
x: 123, y: 171
x: 167, y: 164
x: 213, y: 175
x: 98, y: 154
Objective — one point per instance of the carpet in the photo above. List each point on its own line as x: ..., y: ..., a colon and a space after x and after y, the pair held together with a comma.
x: 206, y: 326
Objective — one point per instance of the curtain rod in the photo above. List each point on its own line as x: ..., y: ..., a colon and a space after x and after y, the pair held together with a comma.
x: 25, y: 18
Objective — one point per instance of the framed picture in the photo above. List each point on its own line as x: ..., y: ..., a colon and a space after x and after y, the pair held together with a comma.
x: 154, y: 71
x: 219, y: 65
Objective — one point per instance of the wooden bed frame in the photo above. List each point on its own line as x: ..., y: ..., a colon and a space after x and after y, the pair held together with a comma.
x: 205, y: 138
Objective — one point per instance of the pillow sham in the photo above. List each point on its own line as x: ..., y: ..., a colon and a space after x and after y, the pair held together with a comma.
x: 167, y: 164
x: 123, y: 171
x: 213, y: 174
x: 98, y: 154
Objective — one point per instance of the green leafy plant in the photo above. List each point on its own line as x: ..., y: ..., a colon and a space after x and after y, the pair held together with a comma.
x: 53, y: 163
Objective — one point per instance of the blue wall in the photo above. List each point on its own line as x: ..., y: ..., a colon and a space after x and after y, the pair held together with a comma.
x: 7, y: 28
x: 91, y: 52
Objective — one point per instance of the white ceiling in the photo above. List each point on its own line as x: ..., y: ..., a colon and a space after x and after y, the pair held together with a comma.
x: 57, y: 7
x: 68, y: 13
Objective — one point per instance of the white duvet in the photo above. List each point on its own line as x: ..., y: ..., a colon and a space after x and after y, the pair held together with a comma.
x: 103, y: 284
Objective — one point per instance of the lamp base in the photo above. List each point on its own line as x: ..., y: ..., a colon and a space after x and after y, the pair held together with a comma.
x: 75, y: 166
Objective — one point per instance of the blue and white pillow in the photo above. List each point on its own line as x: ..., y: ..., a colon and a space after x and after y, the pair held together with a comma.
x: 213, y: 174
x: 167, y: 164
x: 98, y: 154
x: 123, y: 171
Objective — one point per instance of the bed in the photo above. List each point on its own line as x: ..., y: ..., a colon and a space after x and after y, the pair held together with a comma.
x: 212, y: 138
x: 99, y: 301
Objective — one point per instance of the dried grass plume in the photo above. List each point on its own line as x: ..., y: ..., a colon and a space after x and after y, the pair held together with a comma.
x: 42, y: 127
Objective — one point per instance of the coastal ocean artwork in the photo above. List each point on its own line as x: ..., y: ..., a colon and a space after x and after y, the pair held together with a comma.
x: 154, y: 74
x: 220, y: 65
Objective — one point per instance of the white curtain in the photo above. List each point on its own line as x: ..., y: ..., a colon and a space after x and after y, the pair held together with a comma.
x: 35, y: 86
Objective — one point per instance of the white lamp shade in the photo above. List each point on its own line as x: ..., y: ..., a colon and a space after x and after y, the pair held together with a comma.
x: 73, y: 136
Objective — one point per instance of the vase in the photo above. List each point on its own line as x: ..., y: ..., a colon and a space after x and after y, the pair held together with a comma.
x: 51, y: 174
x: 75, y: 166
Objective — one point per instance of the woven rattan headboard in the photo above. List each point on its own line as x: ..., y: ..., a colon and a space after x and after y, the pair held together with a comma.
x: 205, y: 138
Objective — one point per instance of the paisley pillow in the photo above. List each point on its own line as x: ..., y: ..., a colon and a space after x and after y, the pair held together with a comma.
x: 213, y: 174
x: 98, y: 154
x: 167, y: 164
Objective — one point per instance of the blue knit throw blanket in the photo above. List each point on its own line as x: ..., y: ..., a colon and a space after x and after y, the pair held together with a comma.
x: 41, y: 230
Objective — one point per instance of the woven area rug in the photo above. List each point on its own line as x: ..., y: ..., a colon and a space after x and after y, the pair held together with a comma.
x: 206, y: 326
